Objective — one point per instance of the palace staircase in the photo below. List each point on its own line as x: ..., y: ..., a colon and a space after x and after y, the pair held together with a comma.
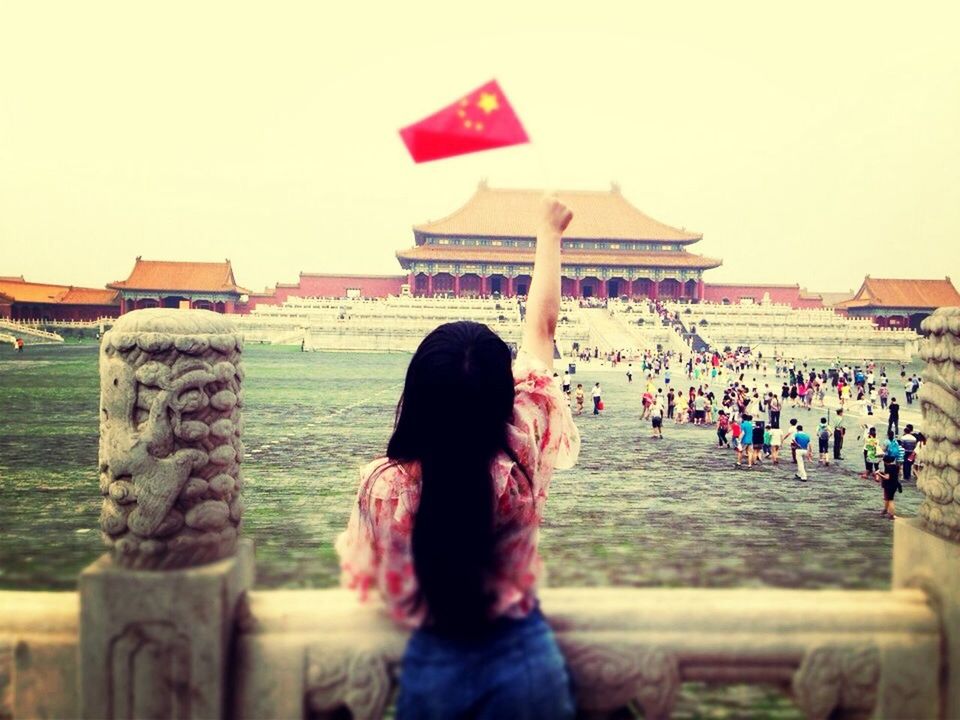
x: 10, y: 330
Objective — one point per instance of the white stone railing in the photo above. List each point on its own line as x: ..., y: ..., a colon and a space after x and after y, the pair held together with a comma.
x: 29, y: 331
x: 866, y: 652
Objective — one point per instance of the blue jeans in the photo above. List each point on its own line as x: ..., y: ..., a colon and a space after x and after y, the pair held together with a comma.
x: 516, y: 671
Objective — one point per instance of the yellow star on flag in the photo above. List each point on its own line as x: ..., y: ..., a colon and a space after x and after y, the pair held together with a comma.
x: 488, y: 102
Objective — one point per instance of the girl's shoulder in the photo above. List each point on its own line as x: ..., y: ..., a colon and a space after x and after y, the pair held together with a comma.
x: 384, y: 478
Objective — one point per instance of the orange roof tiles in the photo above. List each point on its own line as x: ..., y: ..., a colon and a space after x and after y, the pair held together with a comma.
x: 903, y: 293
x: 90, y: 296
x: 515, y: 213
x: 180, y: 276
x: 488, y: 254
x: 29, y: 292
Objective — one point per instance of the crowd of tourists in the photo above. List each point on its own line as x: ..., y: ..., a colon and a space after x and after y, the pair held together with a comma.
x: 747, y: 418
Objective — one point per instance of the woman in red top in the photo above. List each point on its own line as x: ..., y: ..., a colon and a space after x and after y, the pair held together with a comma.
x: 445, y: 526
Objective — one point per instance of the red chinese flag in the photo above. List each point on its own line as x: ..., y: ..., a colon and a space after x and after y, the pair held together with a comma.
x: 480, y: 120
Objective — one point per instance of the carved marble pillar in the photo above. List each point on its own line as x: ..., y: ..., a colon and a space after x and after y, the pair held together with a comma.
x: 157, y: 611
x: 926, y: 549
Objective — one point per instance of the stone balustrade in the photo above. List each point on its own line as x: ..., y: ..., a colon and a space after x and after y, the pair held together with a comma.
x: 843, y: 652
x: 168, y: 624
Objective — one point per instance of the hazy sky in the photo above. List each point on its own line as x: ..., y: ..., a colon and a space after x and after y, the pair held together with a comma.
x: 808, y: 142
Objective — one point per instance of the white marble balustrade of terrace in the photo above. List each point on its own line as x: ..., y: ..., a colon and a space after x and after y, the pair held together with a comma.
x: 168, y: 624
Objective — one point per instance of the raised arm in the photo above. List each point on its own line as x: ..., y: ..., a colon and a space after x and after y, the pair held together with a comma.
x: 543, y: 300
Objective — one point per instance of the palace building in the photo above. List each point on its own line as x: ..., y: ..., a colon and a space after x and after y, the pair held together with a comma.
x: 31, y: 301
x: 610, y: 249
x: 899, y: 303
x: 201, y: 285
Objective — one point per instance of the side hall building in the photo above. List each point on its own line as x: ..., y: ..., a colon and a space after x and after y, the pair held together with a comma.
x: 899, y: 303
x: 610, y: 249
x: 161, y: 283
x: 46, y: 302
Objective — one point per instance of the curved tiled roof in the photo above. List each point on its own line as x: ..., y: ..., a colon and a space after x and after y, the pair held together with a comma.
x: 505, y: 212
x: 902, y: 293
x: 29, y: 292
x: 474, y: 254
x: 89, y: 296
x: 180, y: 276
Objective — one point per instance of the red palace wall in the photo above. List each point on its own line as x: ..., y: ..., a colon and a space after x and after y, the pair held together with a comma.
x: 337, y: 285
x: 65, y: 312
x: 779, y: 294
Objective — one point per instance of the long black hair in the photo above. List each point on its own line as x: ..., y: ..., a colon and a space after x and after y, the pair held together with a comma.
x: 452, y: 420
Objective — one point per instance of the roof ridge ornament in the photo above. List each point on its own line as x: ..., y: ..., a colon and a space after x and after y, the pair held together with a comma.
x: 614, y: 187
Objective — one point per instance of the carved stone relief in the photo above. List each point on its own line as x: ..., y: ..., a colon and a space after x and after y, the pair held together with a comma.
x: 939, y: 480
x: 170, y: 438
x: 834, y: 678
x: 361, y: 681
x: 610, y: 676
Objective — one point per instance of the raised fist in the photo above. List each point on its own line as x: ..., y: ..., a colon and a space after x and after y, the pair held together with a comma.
x: 556, y: 215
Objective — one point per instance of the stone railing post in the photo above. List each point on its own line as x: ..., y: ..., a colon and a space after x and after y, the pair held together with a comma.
x: 157, y: 610
x: 926, y: 549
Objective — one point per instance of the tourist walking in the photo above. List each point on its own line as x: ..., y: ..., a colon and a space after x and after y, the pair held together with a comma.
x: 776, y: 440
x: 889, y: 478
x: 723, y: 424
x: 871, y: 449
x: 823, y: 441
x: 774, y: 410
x: 578, y: 398
x: 597, y: 400
x: 746, y: 440
x: 839, y: 432
x: 893, y: 423
x: 802, y: 441
x: 656, y: 417
x: 908, y: 441
x: 465, y: 577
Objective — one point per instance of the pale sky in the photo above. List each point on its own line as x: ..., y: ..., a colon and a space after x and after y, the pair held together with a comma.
x: 808, y: 142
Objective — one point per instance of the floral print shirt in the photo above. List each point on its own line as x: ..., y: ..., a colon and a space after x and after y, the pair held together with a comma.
x: 375, y: 549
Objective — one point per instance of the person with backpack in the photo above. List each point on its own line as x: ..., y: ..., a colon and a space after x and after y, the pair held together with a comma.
x: 445, y: 527
x: 723, y: 424
x: 889, y: 477
x: 823, y: 441
x: 908, y: 441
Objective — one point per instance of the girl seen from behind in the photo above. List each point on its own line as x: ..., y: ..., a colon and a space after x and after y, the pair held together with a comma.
x: 445, y: 527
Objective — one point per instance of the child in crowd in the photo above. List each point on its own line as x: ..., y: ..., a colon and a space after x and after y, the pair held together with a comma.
x: 823, y: 441
x: 723, y: 424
